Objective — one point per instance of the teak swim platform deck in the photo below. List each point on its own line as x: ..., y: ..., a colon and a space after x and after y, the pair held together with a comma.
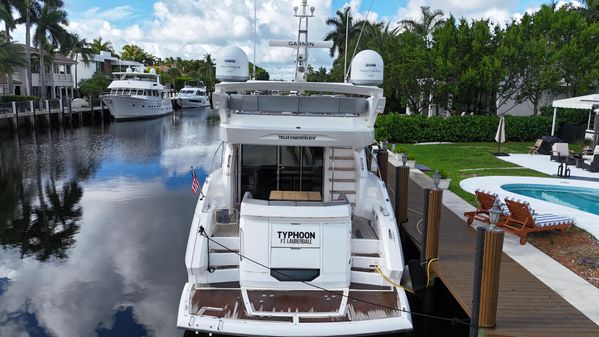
x: 526, y: 306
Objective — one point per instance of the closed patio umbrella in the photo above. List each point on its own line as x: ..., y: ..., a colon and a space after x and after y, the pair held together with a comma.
x: 500, y: 135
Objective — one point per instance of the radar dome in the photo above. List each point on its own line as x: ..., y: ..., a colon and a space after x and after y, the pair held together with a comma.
x: 232, y: 65
x: 367, y: 68
x: 152, y: 71
x: 129, y: 70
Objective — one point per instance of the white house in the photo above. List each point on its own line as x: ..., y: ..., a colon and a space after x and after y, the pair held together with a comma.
x: 58, y: 77
x: 103, y: 62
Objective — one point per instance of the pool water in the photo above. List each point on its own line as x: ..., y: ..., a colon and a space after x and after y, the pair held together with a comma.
x: 580, y: 198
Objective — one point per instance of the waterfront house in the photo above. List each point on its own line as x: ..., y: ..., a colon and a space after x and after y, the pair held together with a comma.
x: 58, y: 78
x: 104, y: 62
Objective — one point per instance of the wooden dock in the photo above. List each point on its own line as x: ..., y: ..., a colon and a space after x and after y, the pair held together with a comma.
x: 526, y: 306
x: 31, y: 111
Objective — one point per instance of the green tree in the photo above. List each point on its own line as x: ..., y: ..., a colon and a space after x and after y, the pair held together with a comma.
x: 342, y: 21
x: 48, y: 35
x: 426, y: 25
x: 10, y: 57
x: 319, y: 75
x: 94, y: 86
x: 6, y: 7
x: 98, y: 45
x: 74, y: 46
x: 135, y: 53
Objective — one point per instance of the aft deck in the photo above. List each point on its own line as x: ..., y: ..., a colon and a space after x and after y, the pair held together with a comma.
x: 364, y: 302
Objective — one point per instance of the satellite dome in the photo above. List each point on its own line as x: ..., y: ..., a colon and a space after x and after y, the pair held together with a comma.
x: 367, y: 68
x: 232, y: 65
x: 152, y: 71
x: 129, y: 70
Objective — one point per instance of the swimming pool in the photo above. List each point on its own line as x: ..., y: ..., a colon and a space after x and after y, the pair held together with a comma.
x: 581, y: 198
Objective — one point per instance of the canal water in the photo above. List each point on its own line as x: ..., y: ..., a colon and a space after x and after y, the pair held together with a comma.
x: 94, y: 223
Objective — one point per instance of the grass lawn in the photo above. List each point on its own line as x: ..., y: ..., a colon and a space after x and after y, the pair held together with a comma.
x: 466, y: 160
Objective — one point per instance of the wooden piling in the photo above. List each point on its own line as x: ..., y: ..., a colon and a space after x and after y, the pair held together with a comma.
x: 489, y: 290
x: 432, y: 224
x: 383, y: 160
x: 402, y: 175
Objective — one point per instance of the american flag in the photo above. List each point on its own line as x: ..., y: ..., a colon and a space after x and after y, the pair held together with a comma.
x: 195, y: 183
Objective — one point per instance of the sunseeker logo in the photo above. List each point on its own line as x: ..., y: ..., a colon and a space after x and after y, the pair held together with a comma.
x: 296, y: 137
x: 291, y: 237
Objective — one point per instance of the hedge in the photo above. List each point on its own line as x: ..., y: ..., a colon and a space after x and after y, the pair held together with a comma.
x: 398, y: 128
x: 568, y: 115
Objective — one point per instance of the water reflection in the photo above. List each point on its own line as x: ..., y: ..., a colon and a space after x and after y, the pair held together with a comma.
x: 94, y: 224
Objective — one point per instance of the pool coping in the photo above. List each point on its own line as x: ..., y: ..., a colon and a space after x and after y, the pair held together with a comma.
x: 573, y: 288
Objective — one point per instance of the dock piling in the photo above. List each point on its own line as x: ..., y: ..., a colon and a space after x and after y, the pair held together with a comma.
x: 382, y: 162
x: 425, y: 217
x: 435, y: 200
x: 489, y: 291
x: 478, y: 268
x: 402, y: 174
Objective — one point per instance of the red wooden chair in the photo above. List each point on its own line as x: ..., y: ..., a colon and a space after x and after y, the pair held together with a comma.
x: 486, y: 200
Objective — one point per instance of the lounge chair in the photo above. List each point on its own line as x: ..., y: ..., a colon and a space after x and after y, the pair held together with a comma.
x: 591, y: 162
x: 535, y: 148
x: 485, y: 200
x: 560, y: 150
x: 523, y: 220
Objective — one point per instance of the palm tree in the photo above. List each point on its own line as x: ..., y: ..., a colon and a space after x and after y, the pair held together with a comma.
x: 10, y: 57
x: 426, y: 25
x: 98, y: 46
x: 74, y: 46
x: 48, y: 34
x: 9, y: 24
x: 342, y: 21
x: 29, y: 11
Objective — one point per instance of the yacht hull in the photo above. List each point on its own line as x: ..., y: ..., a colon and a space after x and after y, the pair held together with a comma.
x: 196, y: 102
x: 124, y: 108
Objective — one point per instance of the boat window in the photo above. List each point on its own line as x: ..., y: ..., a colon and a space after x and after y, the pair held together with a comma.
x: 285, y: 168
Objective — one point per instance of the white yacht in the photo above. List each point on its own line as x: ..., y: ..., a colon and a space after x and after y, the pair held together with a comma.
x: 292, y: 234
x: 193, y: 95
x: 137, y: 95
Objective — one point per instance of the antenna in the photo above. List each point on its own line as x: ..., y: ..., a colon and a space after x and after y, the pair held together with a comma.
x: 254, y: 63
x: 346, y: 40
x: 302, y: 44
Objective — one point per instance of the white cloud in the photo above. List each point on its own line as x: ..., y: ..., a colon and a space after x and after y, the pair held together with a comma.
x: 115, y: 13
x: 497, y: 11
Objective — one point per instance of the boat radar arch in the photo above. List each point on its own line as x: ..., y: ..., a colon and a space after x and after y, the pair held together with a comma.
x: 367, y: 68
x: 232, y: 65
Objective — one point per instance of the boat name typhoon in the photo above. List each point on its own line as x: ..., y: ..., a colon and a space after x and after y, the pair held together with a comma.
x: 304, y: 238
x: 297, y: 137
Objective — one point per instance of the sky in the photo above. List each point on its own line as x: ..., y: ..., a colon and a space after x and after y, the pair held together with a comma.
x: 192, y: 28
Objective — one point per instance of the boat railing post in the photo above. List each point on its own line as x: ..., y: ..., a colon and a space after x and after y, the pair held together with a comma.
x: 489, y: 291
x: 478, y: 270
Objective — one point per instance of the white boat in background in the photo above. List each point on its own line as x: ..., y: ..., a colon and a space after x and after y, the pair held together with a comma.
x: 193, y: 95
x: 137, y: 95
x: 292, y: 234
